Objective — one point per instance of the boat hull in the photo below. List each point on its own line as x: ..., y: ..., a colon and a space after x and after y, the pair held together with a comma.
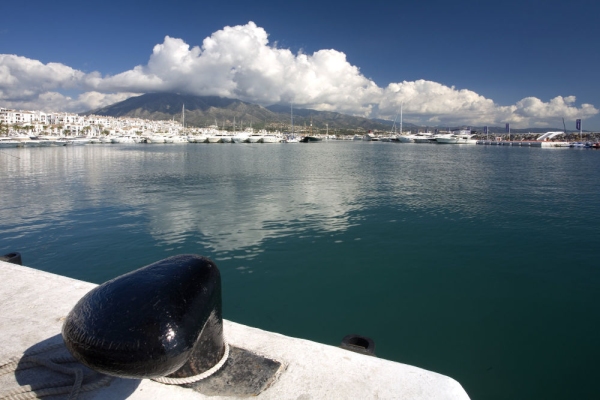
x: 310, y: 139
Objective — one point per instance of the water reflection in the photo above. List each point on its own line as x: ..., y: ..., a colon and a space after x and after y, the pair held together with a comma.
x: 234, y: 197
x: 224, y: 197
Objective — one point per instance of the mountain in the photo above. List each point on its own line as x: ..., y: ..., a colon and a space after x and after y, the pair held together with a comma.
x: 202, y: 111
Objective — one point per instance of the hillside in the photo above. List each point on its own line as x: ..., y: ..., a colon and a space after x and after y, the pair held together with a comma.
x: 202, y: 111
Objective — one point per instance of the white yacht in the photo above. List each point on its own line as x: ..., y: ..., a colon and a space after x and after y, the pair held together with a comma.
x: 176, y: 139
x: 271, y: 138
x: 369, y: 137
x: 225, y: 137
x: 122, y: 139
x: 240, y: 137
x: 46, y: 141
x: 459, y: 137
x: 291, y: 139
x: 214, y: 138
x: 6, y: 142
x: 255, y: 137
x: 155, y: 139
x: 197, y: 138
x: 424, y: 137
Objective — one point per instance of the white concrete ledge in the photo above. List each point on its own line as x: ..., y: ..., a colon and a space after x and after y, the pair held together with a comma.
x: 35, y: 303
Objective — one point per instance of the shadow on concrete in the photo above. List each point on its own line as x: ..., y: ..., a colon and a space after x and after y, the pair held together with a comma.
x: 244, y: 374
x: 48, y: 367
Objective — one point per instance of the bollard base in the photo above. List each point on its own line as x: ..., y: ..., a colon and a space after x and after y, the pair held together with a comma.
x: 245, y: 374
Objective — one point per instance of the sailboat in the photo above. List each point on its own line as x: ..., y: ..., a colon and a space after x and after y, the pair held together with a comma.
x: 291, y: 138
x: 241, y: 136
x: 392, y: 134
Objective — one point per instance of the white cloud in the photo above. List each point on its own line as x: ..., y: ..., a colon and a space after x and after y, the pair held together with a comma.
x: 238, y: 62
x: 55, y: 101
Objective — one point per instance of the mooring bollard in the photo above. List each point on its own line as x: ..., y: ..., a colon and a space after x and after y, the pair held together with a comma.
x: 13, y: 258
x: 162, y: 320
x: 358, y: 344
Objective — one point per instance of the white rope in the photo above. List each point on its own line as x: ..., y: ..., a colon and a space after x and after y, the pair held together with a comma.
x: 31, y: 359
x: 196, y: 378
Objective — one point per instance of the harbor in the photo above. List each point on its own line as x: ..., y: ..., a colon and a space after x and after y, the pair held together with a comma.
x: 249, y: 136
x: 402, y: 243
x: 39, y: 129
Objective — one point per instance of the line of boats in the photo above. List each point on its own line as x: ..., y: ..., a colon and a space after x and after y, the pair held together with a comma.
x: 458, y: 137
x: 249, y: 136
x: 217, y: 137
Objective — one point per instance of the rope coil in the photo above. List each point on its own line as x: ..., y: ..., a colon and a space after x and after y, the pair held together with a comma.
x: 72, y: 387
x: 199, y: 377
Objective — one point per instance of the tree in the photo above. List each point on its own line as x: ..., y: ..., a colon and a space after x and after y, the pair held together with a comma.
x: 3, y: 129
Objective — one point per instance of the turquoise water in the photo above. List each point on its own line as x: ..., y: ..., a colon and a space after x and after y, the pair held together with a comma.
x: 478, y: 262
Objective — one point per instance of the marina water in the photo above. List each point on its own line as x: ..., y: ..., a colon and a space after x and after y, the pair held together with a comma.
x: 478, y: 262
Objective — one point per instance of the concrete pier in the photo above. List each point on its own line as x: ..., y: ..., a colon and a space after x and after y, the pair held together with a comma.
x: 523, y: 143
x: 35, y: 304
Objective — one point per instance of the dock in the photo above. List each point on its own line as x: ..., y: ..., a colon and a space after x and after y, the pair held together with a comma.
x: 35, y: 304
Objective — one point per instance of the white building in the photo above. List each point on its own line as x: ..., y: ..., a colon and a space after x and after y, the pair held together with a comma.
x: 69, y: 124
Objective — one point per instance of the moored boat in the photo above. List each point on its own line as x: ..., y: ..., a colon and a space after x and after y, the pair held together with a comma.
x: 310, y: 139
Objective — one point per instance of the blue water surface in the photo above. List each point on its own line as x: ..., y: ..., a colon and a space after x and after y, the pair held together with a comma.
x: 478, y: 262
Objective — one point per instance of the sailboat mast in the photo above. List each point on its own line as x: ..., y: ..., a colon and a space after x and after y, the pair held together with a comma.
x: 401, y: 118
x: 292, y: 115
x: 183, y: 116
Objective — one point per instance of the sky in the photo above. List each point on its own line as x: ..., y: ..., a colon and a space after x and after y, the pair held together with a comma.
x: 529, y: 63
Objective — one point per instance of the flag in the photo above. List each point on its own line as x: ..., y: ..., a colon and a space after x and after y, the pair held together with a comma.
x: 578, y: 124
x: 507, y: 127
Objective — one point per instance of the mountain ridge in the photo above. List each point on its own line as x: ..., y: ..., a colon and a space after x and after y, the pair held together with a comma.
x: 203, y: 111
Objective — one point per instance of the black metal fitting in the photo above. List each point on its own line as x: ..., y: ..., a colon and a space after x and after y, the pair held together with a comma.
x: 13, y: 258
x: 160, y: 320
x: 358, y: 344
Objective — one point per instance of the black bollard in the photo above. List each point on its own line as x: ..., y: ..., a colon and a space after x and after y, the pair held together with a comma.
x: 358, y: 344
x: 14, y: 258
x: 160, y: 320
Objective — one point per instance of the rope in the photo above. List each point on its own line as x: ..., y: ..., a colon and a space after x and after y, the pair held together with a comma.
x: 13, y: 362
x: 28, y: 392
x: 196, y: 378
x: 30, y: 360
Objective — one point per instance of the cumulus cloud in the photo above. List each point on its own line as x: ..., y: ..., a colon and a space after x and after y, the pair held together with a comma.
x: 238, y: 62
x: 58, y: 102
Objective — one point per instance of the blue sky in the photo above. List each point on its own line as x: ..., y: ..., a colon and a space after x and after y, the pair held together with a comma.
x: 528, y: 62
